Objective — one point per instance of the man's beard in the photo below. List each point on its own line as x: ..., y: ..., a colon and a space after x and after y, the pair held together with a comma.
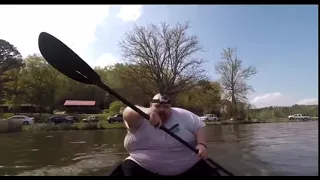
x: 163, y: 116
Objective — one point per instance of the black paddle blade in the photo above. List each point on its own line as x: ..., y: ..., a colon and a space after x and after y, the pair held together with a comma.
x: 62, y: 58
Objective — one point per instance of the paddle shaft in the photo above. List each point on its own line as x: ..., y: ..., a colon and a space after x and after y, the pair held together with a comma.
x: 132, y: 106
x: 52, y: 50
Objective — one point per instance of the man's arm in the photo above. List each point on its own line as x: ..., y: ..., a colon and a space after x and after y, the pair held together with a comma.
x: 201, y: 136
x: 132, y: 119
x: 199, y: 129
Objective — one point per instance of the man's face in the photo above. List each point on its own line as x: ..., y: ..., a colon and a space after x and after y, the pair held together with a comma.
x: 163, y: 110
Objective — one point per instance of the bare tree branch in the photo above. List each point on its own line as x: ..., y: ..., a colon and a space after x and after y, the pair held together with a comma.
x: 233, y: 77
x: 167, y: 56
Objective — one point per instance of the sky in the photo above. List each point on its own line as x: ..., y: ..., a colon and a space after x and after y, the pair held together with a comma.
x: 280, y: 41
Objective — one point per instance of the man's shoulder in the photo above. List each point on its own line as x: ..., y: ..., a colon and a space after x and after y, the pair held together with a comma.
x: 181, y: 111
x: 183, y: 116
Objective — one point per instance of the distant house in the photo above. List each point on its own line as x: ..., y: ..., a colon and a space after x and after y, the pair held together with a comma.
x: 29, y: 108
x: 23, y: 108
x: 81, y: 106
x: 225, y: 108
x: 4, y: 108
x: 79, y: 103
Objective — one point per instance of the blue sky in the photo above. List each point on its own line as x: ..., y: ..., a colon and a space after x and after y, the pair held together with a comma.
x: 281, y: 41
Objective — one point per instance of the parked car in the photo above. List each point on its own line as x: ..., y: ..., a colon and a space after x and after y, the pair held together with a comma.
x: 209, y: 117
x: 21, y: 119
x: 299, y: 117
x: 240, y: 118
x: 59, y: 120
x: 72, y: 118
x: 91, y: 119
x: 115, y: 118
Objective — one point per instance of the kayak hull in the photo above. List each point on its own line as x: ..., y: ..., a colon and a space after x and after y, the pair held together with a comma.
x: 117, y: 171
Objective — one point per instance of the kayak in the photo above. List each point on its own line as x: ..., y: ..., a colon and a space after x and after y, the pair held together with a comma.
x: 117, y: 171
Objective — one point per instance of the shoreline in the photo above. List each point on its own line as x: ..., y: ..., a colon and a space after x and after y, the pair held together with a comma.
x: 256, y: 121
x: 6, y: 127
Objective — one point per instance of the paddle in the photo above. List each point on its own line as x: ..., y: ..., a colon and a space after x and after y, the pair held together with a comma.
x: 62, y: 58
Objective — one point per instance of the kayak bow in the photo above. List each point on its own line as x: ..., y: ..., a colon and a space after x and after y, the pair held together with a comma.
x: 117, y: 171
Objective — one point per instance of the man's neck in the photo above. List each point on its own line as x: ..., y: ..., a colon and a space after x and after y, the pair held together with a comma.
x: 168, y: 119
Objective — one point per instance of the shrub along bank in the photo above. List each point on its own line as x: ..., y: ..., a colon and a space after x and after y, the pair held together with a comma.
x: 6, y: 126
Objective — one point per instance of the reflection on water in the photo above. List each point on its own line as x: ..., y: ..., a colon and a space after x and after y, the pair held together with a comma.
x: 267, y: 149
x: 75, y: 151
x: 256, y: 149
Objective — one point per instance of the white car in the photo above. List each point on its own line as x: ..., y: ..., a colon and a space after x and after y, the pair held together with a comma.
x: 91, y: 119
x: 209, y: 117
x: 299, y: 117
x: 20, y: 119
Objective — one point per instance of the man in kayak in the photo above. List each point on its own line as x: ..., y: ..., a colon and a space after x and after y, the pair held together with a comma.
x: 154, y: 152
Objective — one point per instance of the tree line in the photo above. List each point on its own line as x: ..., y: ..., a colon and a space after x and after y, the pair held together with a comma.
x: 157, y: 58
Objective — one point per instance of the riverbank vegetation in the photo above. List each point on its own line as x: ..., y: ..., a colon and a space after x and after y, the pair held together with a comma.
x: 103, y: 125
x: 157, y: 58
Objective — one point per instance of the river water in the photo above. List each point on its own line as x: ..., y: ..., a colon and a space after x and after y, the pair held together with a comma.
x: 287, y: 149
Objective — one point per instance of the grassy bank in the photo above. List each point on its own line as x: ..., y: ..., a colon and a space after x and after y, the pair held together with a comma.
x: 5, y: 126
x: 255, y: 121
x: 40, y: 118
x: 76, y: 126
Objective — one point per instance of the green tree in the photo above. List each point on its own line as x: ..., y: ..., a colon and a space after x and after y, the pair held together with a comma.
x: 10, y: 58
x: 15, y: 89
x: 203, y: 98
x: 277, y: 113
x: 116, y: 106
x: 41, y: 82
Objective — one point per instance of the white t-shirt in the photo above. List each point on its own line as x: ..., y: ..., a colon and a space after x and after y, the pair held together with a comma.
x: 157, y: 151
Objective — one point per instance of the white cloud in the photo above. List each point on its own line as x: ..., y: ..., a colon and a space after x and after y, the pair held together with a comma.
x: 130, y: 12
x: 105, y: 59
x: 311, y: 101
x: 279, y: 99
x: 266, y: 99
x: 75, y: 25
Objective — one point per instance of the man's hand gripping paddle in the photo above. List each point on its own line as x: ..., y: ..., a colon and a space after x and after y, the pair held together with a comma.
x: 62, y: 58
